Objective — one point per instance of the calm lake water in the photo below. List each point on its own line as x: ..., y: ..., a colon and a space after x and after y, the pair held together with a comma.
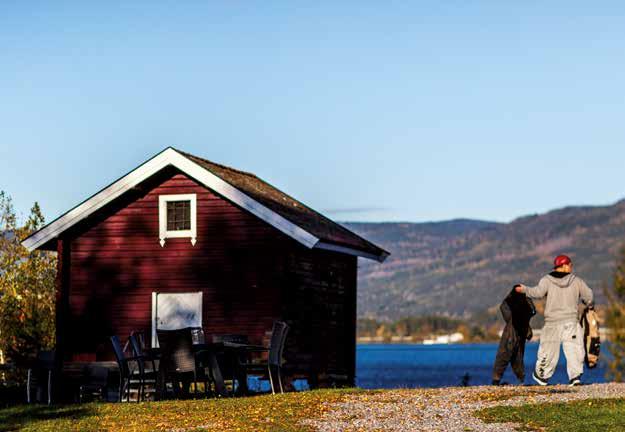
x: 408, y: 366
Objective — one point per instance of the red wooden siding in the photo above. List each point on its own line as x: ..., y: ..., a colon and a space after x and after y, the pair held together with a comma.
x: 250, y: 274
x: 320, y: 298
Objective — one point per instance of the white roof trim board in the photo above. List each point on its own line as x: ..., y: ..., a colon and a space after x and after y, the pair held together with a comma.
x: 350, y: 251
x: 167, y: 157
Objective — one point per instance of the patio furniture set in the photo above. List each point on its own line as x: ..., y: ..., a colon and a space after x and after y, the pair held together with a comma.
x: 184, y: 360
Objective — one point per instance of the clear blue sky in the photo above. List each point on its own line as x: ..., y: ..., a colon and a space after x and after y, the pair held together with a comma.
x: 366, y: 110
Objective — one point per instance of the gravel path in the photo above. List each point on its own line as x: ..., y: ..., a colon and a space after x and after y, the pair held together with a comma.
x: 447, y: 409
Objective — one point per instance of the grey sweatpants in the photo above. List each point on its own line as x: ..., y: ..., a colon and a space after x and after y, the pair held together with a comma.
x: 570, y: 335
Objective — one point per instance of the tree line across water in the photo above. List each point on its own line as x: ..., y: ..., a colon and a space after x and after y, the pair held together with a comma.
x: 420, y: 328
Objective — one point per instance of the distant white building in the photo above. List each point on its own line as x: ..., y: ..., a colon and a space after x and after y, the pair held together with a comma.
x: 444, y: 339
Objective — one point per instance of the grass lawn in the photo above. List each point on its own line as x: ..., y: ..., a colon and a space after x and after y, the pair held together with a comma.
x: 261, y: 413
x: 605, y: 415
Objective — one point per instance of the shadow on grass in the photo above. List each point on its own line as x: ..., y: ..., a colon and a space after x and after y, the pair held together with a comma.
x: 14, y: 418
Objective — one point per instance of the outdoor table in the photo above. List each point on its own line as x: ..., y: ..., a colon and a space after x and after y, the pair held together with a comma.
x: 237, y: 350
x: 208, y: 353
x: 241, y: 352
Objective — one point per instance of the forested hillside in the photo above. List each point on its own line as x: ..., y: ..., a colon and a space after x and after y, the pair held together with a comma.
x: 464, y: 267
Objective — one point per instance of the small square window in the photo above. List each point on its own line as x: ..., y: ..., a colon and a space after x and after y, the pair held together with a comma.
x: 177, y: 217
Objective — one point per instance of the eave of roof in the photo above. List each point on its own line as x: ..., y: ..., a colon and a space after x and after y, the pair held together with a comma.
x: 244, y: 189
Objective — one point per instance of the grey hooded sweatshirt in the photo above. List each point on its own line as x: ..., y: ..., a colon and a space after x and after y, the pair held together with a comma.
x: 563, y: 291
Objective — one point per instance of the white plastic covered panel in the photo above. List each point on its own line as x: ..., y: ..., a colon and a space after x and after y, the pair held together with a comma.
x: 171, y: 311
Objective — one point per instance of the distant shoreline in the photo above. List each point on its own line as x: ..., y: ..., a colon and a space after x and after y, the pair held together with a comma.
x: 422, y: 344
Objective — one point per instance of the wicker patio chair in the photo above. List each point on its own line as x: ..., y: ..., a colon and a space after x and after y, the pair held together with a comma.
x: 178, y: 360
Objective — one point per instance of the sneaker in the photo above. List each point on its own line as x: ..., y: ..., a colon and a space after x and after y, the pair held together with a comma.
x: 575, y: 382
x: 540, y: 381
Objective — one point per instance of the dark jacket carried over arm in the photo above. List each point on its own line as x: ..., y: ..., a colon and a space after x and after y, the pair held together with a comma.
x: 517, y: 311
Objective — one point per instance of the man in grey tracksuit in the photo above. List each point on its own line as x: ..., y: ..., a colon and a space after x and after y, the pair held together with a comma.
x: 564, y: 290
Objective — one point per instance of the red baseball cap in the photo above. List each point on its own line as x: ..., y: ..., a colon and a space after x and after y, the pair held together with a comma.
x: 561, y: 260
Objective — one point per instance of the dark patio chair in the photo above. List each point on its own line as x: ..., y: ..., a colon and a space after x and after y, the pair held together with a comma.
x: 202, y: 365
x: 136, y: 341
x: 39, y: 378
x: 146, y: 375
x: 129, y: 373
x: 178, y: 360
x: 272, y: 368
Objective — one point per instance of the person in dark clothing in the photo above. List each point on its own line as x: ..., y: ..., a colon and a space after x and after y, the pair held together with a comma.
x: 517, y: 310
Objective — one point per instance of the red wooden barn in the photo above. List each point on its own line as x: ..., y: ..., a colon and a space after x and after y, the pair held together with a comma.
x: 182, y: 240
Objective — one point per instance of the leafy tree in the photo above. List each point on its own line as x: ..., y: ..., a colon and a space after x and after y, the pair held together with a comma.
x: 616, y: 320
x: 367, y: 327
x: 26, y: 287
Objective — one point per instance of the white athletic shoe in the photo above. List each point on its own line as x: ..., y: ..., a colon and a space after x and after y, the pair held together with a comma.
x: 540, y: 381
x: 575, y: 382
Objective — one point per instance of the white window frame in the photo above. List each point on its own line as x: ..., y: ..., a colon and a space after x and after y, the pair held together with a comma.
x: 162, y: 218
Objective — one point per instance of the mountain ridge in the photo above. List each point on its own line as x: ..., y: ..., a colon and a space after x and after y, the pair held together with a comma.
x: 461, y: 267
